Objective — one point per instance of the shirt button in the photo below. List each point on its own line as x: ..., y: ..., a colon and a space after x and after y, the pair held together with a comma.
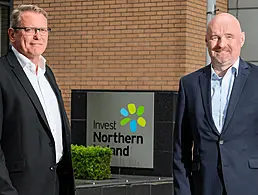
x: 221, y: 142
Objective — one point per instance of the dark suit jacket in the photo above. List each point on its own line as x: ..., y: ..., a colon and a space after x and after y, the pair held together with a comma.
x: 233, y: 153
x: 27, y: 152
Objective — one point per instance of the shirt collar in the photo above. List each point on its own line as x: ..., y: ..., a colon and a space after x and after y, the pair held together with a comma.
x: 26, y: 62
x: 233, y: 68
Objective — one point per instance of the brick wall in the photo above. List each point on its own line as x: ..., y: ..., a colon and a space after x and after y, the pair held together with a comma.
x: 124, y: 44
x: 195, y: 32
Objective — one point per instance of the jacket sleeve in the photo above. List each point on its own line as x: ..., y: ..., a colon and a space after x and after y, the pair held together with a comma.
x: 6, y: 186
x: 182, y: 150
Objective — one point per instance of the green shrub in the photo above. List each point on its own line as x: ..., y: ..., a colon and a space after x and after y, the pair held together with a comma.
x: 92, y: 162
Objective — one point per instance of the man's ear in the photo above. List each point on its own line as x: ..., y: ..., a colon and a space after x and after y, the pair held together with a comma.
x: 11, y: 34
x: 242, y: 38
x: 206, y: 41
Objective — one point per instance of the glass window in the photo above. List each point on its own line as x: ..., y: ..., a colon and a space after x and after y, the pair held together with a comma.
x: 247, y: 18
x: 232, y: 4
x: 235, y: 4
x: 248, y: 4
x: 4, y: 25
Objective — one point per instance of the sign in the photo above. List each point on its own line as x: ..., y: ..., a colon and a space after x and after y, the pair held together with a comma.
x: 123, y: 121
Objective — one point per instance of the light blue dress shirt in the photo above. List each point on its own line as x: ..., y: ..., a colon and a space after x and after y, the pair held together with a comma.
x: 221, y: 88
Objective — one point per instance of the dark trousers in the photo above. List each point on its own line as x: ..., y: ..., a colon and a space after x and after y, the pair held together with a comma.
x: 56, y: 186
x: 222, y: 181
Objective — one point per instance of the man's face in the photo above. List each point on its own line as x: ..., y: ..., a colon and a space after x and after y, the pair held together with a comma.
x: 31, y: 46
x: 224, y: 40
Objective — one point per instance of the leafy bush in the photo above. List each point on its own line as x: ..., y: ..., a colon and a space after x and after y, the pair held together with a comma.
x: 92, y: 162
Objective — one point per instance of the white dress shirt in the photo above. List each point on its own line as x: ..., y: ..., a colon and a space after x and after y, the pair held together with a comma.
x: 221, y: 88
x: 46, y: 97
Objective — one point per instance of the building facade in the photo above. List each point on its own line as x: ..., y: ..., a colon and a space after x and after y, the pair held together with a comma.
x: 122, y: 44
x: 247, y: 11
x: 5, y: 7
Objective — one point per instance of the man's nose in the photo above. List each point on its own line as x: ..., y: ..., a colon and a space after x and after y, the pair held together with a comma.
x: 222, y: 42
x: 37, y: 34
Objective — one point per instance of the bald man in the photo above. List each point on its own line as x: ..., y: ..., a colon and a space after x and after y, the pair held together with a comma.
x: 216, y: 130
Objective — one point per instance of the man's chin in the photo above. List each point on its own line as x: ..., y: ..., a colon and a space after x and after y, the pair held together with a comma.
x: 35, y: 54
x: 37, y: 51
x: 224, y: 62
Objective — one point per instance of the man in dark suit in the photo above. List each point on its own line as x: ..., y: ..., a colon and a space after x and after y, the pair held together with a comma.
x: 216, y: 130
x: 35, y: 154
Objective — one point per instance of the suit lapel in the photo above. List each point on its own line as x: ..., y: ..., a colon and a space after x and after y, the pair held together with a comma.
x: 21, y: 76
x: 236, y: 92
x: 65, y: 124
x: 205, y: 84
x: 53, y: 85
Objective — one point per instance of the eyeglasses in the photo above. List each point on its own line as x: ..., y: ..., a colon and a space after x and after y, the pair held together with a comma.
x: 33, y: 30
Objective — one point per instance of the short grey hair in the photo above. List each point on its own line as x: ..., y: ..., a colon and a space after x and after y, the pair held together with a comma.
x: 16, y: 13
